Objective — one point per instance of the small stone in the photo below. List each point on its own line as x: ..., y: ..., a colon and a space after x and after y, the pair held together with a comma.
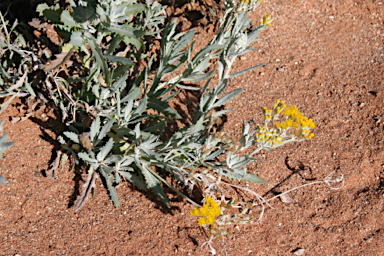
x: 285, y: 198
x: 299, y: 252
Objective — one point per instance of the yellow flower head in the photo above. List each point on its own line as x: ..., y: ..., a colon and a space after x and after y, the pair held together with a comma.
x: 295, y: 119
x: 208, y: 213
x: 266, y: 20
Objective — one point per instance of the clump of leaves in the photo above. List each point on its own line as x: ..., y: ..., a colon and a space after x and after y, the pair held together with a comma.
x: 127, y: 109
x: 16, y: 63
x: 118, y: 112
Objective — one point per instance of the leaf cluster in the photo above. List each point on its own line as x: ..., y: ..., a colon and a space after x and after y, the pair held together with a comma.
x: 118, y: 113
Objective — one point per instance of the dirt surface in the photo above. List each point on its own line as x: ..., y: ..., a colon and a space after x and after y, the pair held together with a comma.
x: 325, y: 57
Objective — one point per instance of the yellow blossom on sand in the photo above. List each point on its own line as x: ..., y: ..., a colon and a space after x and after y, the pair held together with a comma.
x: 208, y: 213
x: 295, y: 119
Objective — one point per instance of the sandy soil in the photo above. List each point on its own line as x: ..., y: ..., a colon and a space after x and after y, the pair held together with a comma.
x: 326, y: 57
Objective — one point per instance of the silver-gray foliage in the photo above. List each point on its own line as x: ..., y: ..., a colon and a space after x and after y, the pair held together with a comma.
x: 118, y: 114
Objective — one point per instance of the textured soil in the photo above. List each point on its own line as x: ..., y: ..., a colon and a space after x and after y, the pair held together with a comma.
x: 325, y: 57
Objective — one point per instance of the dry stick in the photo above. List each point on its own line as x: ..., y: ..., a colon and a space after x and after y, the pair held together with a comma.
x: 326, y: 181
x: 259, y: 198
x: 263, y: 201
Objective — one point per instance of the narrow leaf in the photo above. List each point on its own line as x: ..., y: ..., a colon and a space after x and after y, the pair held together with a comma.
x: 134, y: 9
x: 198, y: 78
x: 87, y: 188
x: 105, y: 150
x: 99, y: 58
x: 72, y: 136
x: 132, y: 95
x: 86, y: 157
x: 95, y: 127
x: 124, y: 30
x: 111, y: 189
x: 2, y: 180
x: 155, y: 185
x: 254, y: 178
x: 142, y: 107
x: 106, y: 128
x: 134, y: 179
x: 226, y: 98
x: 118, y: 59
x: 245, y: 71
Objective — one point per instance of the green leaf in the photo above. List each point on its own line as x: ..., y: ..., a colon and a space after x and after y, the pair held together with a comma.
x: 245, y: 71
x: 134, y: 9
x: 155, y: 127
x: 127, y: 110
x: 68, y: 21
x: 95, y: 90
x: 77, y: 39
x: 198, y: 78
x: 41, y: 8
x: 51, y: 13
x: 97, y: 53
x: 126, y: 30
x: 119, y: 84
x: 182, y: 43
x: 206, y: 50
x: 221, y: 113
x: 154, y: 184
x: 253, y: 178
x: 95, y: 127
x: 226, y: 98
x: 72, y: 136
x: 115, y: 43
x: 142, y: 107
x: 220, y: 88
x: 3, y: 180
x: 134, y: 179
x: 139, y: 44
x: 111, y: 189
x: 105, y: 150
x: 118, y: 59
x: 133, y: 94
x: 6, y: 145
x: 86, y: 157
x: 106, y: 128
x: 29, y: 88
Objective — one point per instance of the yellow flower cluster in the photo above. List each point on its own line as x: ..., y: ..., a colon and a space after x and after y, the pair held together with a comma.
x: 267, y: 114
x: 297, y: 120
x: 208, y: 213
x: 268, y: 137
x: 248, y: 1
x: 279, y: 106
x: 266, y: 20
x: 271, y: 113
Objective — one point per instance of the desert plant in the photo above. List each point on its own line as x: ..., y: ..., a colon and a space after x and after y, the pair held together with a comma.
x: 120, y: 139
x: 16, y: 64
x: 118, y: 113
